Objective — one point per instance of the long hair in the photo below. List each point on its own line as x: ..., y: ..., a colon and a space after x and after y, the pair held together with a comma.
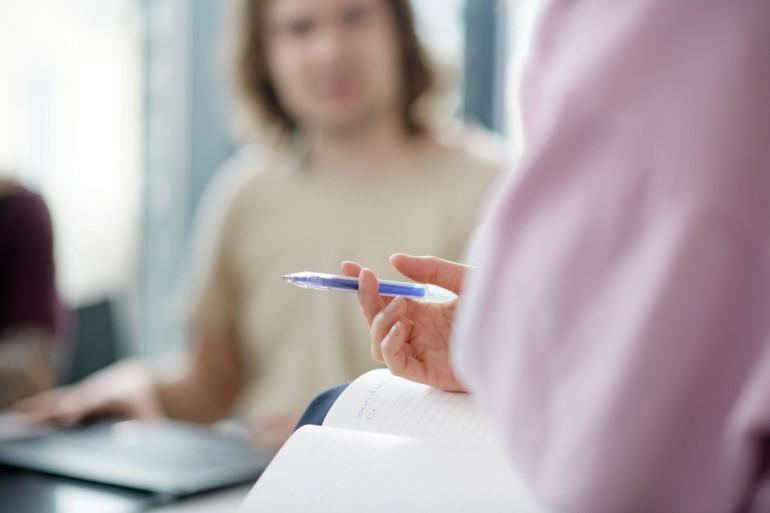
x: 257, y: 91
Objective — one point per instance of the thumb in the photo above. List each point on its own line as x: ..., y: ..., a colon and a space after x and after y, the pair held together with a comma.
x: 428, y: 269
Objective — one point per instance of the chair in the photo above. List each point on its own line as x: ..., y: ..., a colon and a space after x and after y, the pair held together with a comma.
x: 95, y: 343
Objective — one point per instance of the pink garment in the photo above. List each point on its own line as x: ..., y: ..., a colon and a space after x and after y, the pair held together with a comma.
x: 618, y: 326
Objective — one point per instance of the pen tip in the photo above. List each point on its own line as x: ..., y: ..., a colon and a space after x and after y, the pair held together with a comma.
x: 286, y: 277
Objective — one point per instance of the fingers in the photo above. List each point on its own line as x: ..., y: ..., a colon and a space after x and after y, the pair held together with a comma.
x: 63, y: 407
x: 371, y: 305
x: 70, y: 410
x: 35, y: 403
x: 382, y: 324
x: 428, y: 269
x: 397, y: 354
x: 349, y: 268
x: 68, y: 406
x: 40, y: 407
x: 422, y: 269
x: 379, y: 312
x: 368, y: 289
x: 368, y: 295
x: 392, y: 348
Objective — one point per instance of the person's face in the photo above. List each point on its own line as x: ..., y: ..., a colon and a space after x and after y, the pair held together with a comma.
x: 333, y: 63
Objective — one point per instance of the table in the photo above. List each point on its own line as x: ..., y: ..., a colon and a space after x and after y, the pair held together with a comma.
x: 223, y: 501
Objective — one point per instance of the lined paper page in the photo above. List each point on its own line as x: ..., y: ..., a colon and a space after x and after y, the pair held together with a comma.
x: 342, y: 471
x: 382, y: 403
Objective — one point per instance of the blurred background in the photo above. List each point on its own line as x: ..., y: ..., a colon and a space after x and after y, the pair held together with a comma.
x: 117, y: 112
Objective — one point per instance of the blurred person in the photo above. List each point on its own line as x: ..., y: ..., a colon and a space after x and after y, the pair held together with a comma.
x: 30, y: 312
x: 617, y: 323
x: 345, y: 158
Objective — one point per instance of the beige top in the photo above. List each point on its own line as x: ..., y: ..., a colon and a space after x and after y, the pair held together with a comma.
x: 268, y: 214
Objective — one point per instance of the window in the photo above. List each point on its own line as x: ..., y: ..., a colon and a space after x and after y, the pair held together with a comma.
x: 522, y: 17
x: 70, y: 107
x: 441, y: 27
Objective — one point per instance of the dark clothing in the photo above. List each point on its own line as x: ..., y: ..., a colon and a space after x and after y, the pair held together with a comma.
x: 316, y: 411
x: 27, y: 276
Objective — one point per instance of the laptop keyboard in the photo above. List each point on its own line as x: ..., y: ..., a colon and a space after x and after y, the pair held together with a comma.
x: 165, y: 457
x: 155, y: 444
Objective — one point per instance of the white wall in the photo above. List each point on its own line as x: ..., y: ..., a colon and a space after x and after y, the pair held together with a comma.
x: 70, y: 107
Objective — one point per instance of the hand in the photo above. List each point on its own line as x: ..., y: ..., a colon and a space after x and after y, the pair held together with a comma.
x: 410, y: 337
x: 123, y: 390
x: 26, y: 365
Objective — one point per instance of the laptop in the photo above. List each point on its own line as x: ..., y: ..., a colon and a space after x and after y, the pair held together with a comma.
x: 159, y: 459
x: 24, y: 491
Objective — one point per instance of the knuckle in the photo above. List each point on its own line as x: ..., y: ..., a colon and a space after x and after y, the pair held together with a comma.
x: 378, y: 318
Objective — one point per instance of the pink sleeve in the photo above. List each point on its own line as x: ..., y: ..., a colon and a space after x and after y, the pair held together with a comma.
x: 618, y: 326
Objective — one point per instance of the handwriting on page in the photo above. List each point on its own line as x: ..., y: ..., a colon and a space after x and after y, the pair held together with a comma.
x: 368, y: 411
x: 398, y: 407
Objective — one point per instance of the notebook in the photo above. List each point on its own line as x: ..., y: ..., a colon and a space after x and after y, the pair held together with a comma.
x: 387, y: 445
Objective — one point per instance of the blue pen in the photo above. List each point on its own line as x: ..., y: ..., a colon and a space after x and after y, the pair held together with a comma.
x: 423, y: 292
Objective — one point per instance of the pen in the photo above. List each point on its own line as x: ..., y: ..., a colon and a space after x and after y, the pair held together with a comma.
x: 423, y: 292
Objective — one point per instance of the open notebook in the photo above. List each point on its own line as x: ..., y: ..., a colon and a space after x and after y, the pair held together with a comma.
x: 388, y: 445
